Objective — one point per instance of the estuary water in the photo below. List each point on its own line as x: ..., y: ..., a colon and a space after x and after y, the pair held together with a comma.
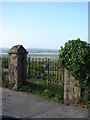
x: 37, y: 55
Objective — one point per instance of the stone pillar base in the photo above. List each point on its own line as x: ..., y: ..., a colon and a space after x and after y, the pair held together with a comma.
x: 71, y: 90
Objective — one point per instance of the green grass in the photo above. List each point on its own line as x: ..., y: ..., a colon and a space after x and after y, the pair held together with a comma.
x: 4, y: 83
x: 43, y: 91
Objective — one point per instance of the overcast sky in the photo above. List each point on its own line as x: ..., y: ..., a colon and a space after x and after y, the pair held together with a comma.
x: 43, y: 25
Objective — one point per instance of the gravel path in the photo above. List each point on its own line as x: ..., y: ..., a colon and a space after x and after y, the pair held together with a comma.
x: 23, y: 105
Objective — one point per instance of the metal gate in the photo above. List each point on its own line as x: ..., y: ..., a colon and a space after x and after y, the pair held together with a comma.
x: 44, y: 71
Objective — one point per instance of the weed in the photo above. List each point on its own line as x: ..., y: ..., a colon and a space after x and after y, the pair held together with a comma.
x: 41, y: 91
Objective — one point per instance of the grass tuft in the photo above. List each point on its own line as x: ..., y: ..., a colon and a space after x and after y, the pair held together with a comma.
x: 43, y: 91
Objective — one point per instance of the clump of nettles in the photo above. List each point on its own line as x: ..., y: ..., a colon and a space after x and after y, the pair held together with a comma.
x: 75, y: 56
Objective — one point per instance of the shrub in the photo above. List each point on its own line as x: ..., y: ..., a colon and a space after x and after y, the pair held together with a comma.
x: 48, y: 94
x: 58, y: 97
x: 5, y: 83
x: 4, y: 62
x: 75, y: 56
x: 5, y: 80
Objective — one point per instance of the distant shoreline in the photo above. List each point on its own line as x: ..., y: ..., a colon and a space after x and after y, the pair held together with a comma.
x: 37, y: 55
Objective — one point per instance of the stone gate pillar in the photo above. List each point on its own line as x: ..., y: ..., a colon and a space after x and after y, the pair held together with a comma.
x: 17, y: 66
x: 72, y: 90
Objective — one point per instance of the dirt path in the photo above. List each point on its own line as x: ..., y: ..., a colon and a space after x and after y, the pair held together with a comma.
x: 23, y: 105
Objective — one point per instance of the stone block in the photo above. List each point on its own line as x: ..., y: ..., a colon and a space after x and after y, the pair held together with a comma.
x: 72, y: 79
x: 77, y: 90
x: 72, y: 88
x: 77, y: 99
x: 66, y: 88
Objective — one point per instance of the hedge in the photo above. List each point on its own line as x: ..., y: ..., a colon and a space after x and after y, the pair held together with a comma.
x: 75, y: 56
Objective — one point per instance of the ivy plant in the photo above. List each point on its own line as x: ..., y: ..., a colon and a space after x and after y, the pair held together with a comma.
x: 75, y: 56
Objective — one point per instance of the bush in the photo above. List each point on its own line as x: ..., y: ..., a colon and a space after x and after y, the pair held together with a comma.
x: 75, y: 56
x: 48, y: 94
x: 5, y: 79
x: 88, y: 103
x: 4, y: 62
x: 58, y: 98
x: 5, y: 83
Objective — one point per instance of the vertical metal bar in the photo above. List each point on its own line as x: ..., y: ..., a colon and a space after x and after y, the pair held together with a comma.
x: 39, y: 67
x: 42, y: 71
x: 36, y: 67
x: 61, y: 74
x: 48, y: 73
x: 29, y: 67
x: 32, y: 67
x: 55, y: 70
x: 46, y: 67
x: 43, y: 67
x: 50, y: 70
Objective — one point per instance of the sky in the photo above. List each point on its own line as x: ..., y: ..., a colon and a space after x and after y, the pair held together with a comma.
x: 43, y: 25
x: 89, y: 22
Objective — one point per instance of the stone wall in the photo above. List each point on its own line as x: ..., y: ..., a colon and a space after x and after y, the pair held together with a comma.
x: 71, y: 89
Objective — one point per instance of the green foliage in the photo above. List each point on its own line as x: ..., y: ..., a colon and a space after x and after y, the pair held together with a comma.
x: 4, y: 61
x: 35, y: 68
x: 42, y: 91
x: 58, y: 98
x: 25, y: 88
x: 88, y: 103
x: 4, y: 73
x: 5, y: 83
x: 48, y: 93
x: 75, y: 56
